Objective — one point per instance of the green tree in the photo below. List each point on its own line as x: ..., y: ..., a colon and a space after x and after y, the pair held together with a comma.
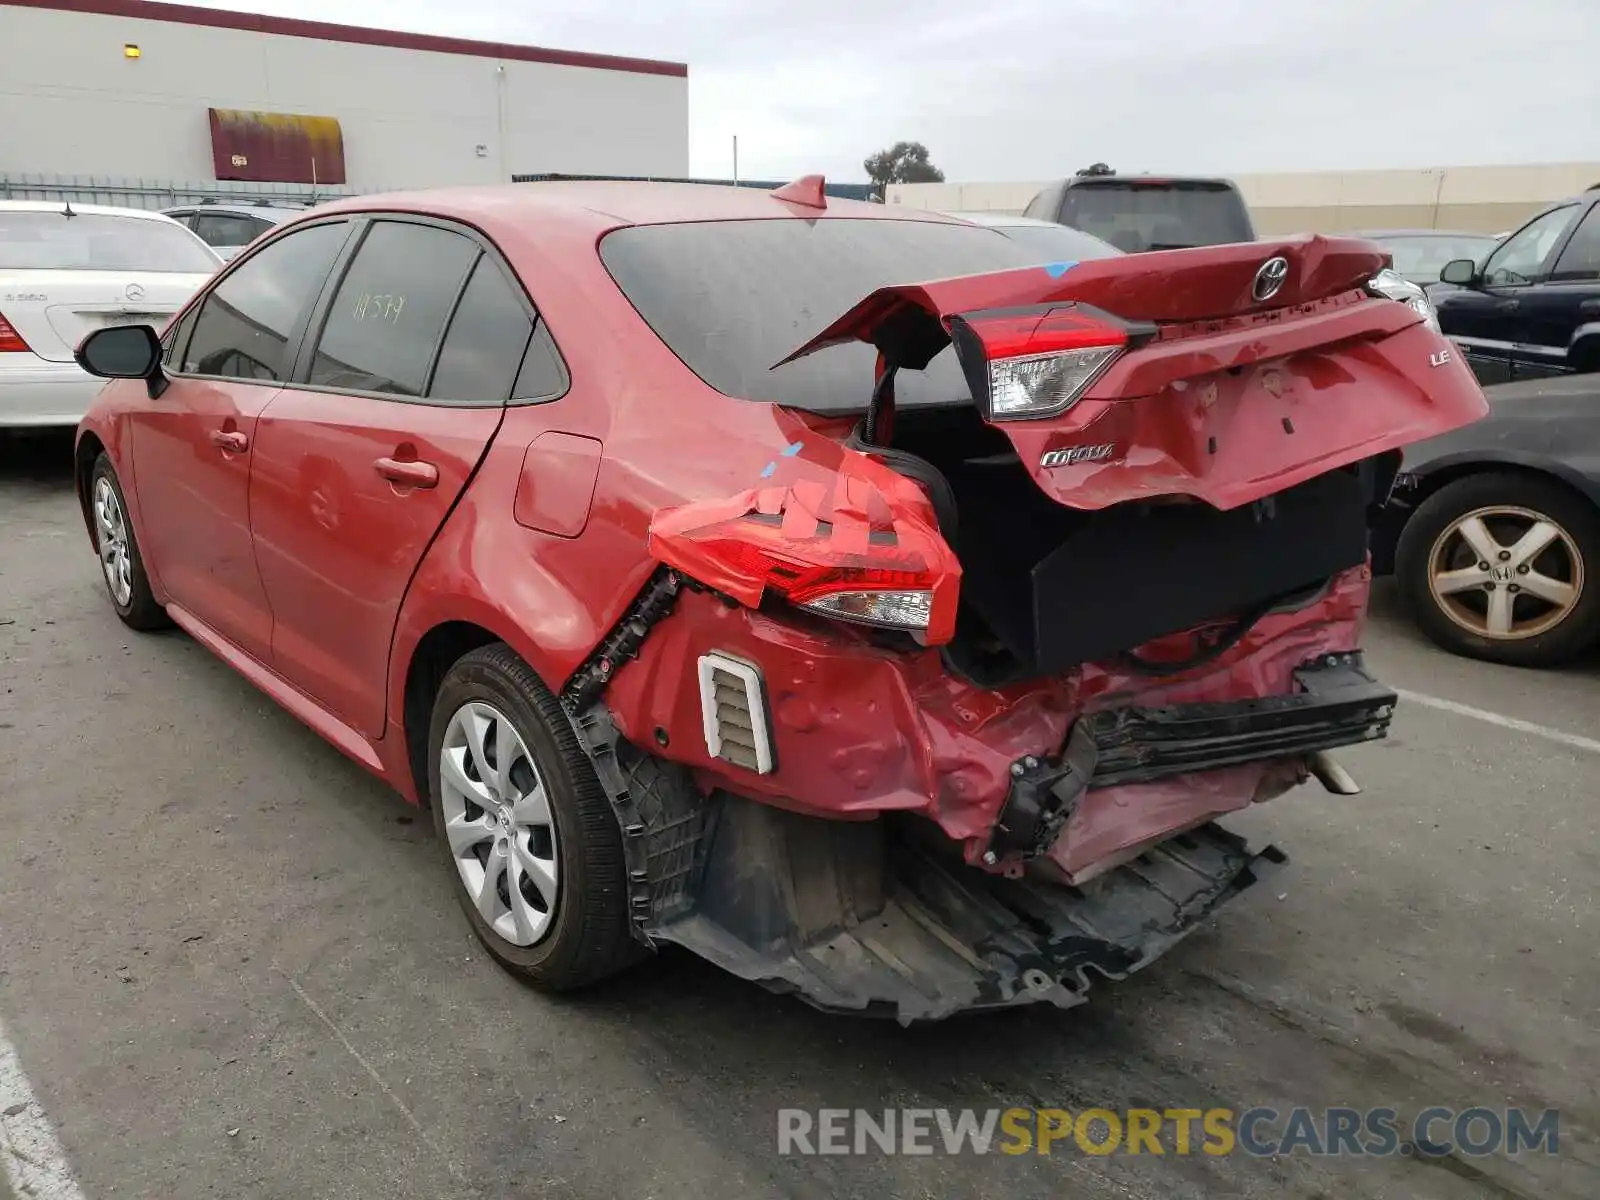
x: 903, y: 162
x: 1098, y: 168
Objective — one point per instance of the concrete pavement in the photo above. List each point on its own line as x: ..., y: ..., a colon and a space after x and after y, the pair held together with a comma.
x: 231, y: 964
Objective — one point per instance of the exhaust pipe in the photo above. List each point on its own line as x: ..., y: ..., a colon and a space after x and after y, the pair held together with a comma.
x: 1331, y: 775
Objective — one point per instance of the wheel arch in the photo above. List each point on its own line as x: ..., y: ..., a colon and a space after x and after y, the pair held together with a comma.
x: 1444, y: 471
x: 84, y: 455
x: 439, y: 649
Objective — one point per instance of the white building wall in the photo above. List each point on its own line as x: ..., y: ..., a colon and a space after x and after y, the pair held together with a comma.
x: 72, y: 104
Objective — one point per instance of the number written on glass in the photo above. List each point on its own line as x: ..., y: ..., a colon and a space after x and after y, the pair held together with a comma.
x: 385, y: 307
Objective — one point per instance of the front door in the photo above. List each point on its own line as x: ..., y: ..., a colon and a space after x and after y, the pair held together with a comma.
x: 357, y: 468
x: 193, y: 446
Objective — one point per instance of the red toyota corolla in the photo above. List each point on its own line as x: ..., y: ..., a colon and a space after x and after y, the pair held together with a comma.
x: 830, y: 589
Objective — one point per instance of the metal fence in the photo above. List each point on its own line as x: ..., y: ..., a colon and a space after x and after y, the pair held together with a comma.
x: 160, y: 193
x: 840, y: 191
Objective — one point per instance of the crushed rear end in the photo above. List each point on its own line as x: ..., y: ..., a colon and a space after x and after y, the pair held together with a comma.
x: 939, y: 713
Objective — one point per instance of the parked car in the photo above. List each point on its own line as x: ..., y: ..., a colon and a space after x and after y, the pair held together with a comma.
x: 1141, y: 212
x: 1532, y: 308
x: 66, y: 270
x: 1420, y: 254
x: 229, y: 228
x: 1048, y: 241
x: 1493, y: 530
x: 693, y: 621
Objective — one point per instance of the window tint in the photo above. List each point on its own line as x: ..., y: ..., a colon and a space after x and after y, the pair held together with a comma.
x: 543, y: 375
x: 1581, y: 258
x: 245, y: 324
x: 1520, y: 258
x: 733, y: 297
x: 227, y: 229
x: 386, y: 320
x: 53, y: 241
x: 483, y: 349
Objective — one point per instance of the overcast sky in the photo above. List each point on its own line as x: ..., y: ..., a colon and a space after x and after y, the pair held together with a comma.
x: 1029, y: 89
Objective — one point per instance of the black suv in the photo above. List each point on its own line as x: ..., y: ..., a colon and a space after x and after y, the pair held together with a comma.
x: 1532, y: 308
x: 1136, y: 213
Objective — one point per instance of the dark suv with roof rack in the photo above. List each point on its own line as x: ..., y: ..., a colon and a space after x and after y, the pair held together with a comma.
x: 1136, y: 213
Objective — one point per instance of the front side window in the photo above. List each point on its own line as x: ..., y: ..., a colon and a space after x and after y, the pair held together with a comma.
x: 1522, y: 257
x: 246, y: 322
x: 56, y: 241
x: 386, y: 321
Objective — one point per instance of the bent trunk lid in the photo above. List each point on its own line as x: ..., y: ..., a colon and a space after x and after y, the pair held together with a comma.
x: 1236, y: 395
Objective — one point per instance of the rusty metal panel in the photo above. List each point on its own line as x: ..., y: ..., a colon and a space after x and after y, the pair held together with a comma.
x: 276, y: 147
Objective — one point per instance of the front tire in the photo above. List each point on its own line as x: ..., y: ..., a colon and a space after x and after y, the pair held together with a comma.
x: 121, y: 564
x: 531, y: 840
x: 1504, y: 567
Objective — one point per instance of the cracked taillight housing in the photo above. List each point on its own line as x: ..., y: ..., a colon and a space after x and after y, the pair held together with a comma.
x: 1024, y: 363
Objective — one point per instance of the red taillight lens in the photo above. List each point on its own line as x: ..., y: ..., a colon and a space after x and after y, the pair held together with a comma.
x: 1034, y: 362
x: 10, y: 340
x: 891, y: 570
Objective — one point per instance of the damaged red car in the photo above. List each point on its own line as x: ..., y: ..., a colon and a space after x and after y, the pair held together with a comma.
x: 836, y: 591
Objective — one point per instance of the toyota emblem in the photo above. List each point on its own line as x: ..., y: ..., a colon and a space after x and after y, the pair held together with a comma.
x: 133, y: 292
x: 1270, y: 278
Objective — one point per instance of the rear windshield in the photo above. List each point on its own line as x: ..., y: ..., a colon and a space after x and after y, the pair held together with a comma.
x: 1423, y: 256
x: 53, y: 241
x: 1058, y: 243
x: 1136, y: 216
x: 731, y: 298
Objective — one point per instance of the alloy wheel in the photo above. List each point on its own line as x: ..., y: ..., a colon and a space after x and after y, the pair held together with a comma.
x: 498, y: 822
x: 111, y: 535
x: 1505, y: 572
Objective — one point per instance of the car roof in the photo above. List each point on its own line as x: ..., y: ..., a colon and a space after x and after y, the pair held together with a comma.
x: 242, y: 206
x: 1155, y: 178
x: 86, y: 210
x: 608, y: 204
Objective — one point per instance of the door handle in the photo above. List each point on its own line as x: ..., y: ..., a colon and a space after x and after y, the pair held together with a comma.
x: 408, y: 474
x: 230, y: 440
x: 1589, y: 308
x: 1507, y: 305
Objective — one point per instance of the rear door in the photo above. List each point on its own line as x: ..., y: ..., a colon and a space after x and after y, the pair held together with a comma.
x: 360, y: 461
x: 1553, y: 312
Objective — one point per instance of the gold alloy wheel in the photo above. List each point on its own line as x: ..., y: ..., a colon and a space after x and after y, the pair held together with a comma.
x: 1505, y: 572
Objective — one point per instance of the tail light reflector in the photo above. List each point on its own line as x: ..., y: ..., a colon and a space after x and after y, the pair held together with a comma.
x: 10, y: 340
x: 1034, y: 362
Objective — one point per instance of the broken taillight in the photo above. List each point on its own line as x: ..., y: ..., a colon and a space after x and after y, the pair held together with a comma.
x: 893, y: 573
x: 1034, y: 362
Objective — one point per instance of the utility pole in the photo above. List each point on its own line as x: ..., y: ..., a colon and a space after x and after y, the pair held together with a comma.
x: 736, y: 160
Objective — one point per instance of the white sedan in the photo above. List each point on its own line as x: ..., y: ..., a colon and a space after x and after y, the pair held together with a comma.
x: 67, y: 270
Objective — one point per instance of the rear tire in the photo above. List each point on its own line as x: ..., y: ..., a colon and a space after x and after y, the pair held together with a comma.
x: 121, y: 564
x: 1547, y: 610
x: 516, y: 804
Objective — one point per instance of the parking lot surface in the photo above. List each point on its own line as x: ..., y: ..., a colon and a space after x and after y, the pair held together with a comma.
x: 231, y: 965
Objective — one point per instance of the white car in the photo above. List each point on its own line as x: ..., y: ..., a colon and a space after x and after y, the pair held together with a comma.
x: 67, y: 270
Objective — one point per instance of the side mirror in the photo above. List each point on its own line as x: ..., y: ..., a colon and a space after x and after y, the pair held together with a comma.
x: 1462, y: 272
x: 124, y: 352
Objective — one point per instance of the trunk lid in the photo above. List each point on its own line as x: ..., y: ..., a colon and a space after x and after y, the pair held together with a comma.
x: 54, y: 311
x: 1248, y: 368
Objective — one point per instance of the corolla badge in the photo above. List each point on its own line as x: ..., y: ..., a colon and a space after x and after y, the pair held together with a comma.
x: 133, y: 292
x: 1270, y: 278
x: 1066, y: 456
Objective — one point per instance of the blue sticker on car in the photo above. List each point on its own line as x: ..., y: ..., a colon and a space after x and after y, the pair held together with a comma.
x: 1057, y: 269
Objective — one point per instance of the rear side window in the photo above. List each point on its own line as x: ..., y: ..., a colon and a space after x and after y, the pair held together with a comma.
x: 246, y: 322
x: 488, y: 334
x: 387, y: 319
x: 54, y: 241
x: 1135, y: 215
x: 1581, y: 259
